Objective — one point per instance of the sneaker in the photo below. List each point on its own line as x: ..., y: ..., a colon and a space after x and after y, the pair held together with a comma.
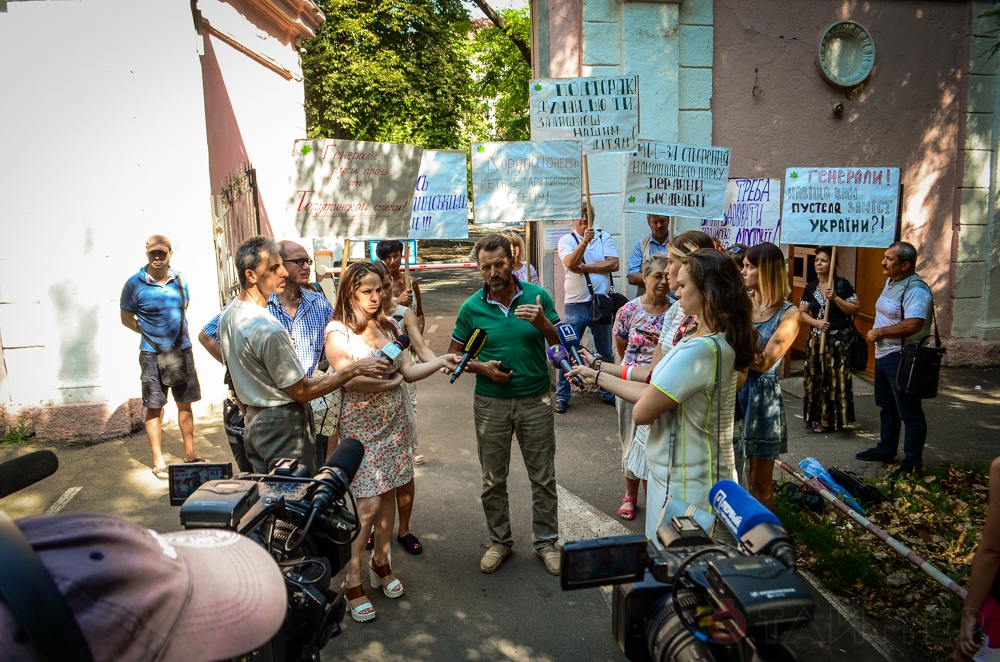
x: 874, y: 455
x: 561, y: 406
x: 493, y: 558
x: 551, y: 557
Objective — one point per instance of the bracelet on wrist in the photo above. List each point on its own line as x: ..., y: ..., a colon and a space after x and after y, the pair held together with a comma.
x: 628, y: 375
x: 625, y: 372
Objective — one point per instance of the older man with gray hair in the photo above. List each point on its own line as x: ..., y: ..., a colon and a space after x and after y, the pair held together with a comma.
x: 267, y: 375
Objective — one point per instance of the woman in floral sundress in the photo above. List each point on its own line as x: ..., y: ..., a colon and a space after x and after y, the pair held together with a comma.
x: 374, y: 412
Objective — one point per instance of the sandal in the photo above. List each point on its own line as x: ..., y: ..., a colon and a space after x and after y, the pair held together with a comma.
x: 818, y: 429
x: 162, y: 474
x: 625, y: 512
x: 197, y: 459
x: 359, y: 603
x: 371, y: 541
x: 410, y: 543
x: 418, y: 458
x: 381, y: 576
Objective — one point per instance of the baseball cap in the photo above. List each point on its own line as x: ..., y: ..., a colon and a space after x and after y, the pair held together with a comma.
x: 158, y: 243
x: 188, y: 596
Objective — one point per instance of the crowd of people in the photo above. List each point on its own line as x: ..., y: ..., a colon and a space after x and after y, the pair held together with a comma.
x: 690, y: 365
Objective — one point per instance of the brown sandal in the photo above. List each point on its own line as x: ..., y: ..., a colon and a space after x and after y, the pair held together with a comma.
x: 359, y: 603
x: 381, y: 577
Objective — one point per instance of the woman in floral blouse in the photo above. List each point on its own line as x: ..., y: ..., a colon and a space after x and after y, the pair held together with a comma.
x: 636, y: 332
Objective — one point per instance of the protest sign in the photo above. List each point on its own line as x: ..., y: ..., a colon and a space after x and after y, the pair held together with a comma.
x: 753, y: 213
x: 840, y: 206
x: 526, y: 181
x: 673, y: 179
x: 556, y: 231
x: 601, y: 112
x: 441, y: 199
x: 353, y: 189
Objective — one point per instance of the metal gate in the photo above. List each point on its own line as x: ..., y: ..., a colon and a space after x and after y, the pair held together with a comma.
x: 236, y: 217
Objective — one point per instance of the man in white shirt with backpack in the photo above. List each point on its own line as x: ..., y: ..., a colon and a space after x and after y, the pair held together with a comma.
x: 590, y: 257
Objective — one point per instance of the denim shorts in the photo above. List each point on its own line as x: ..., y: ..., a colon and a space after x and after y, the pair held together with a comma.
x: 766, y: 450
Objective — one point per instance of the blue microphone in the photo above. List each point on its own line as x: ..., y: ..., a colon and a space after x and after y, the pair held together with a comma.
x: 757, y: 528
x: 570, y: 339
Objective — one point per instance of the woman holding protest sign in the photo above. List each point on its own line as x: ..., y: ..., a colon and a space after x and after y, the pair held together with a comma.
x: 829, y: 394
x: 765, y: 431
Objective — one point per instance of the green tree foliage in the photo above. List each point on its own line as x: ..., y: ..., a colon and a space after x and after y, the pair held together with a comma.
x: 392, y: 71
x: 504, y: 74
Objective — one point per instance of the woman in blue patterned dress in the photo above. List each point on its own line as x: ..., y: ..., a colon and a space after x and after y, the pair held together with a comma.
x: 374, y: 412
x: 765, y: 432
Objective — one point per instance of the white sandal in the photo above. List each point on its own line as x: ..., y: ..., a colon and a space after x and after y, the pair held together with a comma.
x: 355, y: 595
x: 379, y: 574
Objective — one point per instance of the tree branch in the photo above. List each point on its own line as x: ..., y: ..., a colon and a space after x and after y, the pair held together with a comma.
x: 497, y: 20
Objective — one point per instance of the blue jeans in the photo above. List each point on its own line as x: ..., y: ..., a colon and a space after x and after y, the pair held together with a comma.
x: 897, y: 409
x: 577, y: 315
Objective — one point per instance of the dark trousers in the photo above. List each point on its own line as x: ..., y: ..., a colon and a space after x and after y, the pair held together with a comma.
x: 896, y: 410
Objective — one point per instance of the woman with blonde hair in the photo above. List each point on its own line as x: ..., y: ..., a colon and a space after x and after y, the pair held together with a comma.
x: 765, y: 431
x: 518, y: 250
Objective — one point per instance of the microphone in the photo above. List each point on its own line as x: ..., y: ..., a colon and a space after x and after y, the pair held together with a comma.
x: 26, y: 470
x: 391, y: 351
x: 570, y: 339
x: 340, y: 469
x: 757, y: 528
x: 557, y: 354
x: 473, y: 346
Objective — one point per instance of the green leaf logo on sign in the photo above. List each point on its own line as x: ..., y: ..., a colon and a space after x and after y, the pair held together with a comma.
x: 538, y: 87
x: 480, y: 149
x: 306, y: 149
x: 631, y: 198
x: 794, y: 175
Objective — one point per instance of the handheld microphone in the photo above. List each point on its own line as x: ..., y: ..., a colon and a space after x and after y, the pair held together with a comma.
x: 341, y: 468
x: 557, y: 354
x: 570, y: 339
x: 391, y: 351
x: 26, y: 470
x: 473, y: 346
x: 757, y: 528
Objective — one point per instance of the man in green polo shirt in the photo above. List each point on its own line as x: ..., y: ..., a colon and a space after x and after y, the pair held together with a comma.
x: 513, y: 386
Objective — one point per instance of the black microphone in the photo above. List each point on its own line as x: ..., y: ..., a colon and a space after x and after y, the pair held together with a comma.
x: 473, y: 346
x: 342, y: 466
x: 26, y: 470
x: 395, y: 348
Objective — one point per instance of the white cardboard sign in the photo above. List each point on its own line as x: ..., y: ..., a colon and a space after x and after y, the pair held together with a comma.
x: 526, y: 181
x: 352, y: 189
x: 753, y: 213
x: 673, y: 179
x: 601, y: 112
x: 441, y: 198
x: 840, y: 206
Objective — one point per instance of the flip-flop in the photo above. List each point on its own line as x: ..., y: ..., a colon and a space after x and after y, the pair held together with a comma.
x: 162, y: 474
x: 418, y: 458
x: 410, y: 543
x: 197, y: 459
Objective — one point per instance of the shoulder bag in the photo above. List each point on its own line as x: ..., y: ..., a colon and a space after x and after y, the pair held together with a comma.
x: 603, y: 307
x: 170, y: 361
x: 674, y: 506
x: 920, y: 364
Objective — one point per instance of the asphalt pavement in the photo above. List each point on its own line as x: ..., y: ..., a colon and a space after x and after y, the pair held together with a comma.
x: 453, y: 611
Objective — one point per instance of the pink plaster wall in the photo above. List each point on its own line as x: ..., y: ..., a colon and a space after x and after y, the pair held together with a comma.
x: 565, y: 38
x: 773, y: 108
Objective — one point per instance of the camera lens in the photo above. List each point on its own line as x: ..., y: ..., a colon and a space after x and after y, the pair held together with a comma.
x: 666, y: 636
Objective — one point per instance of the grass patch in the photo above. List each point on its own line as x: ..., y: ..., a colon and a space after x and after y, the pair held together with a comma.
x: 939, y: 515
x: 17, y: 434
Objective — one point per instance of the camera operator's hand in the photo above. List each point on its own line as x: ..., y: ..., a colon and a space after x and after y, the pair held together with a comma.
x: 370, y: 366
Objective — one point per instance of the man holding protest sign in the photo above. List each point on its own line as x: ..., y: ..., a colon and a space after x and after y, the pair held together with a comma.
x: 590, y: 257
x: 656, y: 242
x: 902, y: 317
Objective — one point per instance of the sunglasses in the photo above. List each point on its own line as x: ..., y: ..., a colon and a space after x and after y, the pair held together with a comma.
x: 736, y: 250
x: 299, y: 261
x: 688, y: 325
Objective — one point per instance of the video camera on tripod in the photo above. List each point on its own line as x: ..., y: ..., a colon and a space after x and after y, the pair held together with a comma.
x: 305, y: 525
x: 683, y: 598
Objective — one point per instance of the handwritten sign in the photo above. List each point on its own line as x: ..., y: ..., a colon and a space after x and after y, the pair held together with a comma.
x: 840, y: 206
x: 526, y: 181
x: 753, y: 213
x: 673, y: 179
x: 441, y: 198
x: 602, y: 113
x: 352, y: 189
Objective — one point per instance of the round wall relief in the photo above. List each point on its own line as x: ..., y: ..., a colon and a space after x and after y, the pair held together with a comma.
x: 846, y: 53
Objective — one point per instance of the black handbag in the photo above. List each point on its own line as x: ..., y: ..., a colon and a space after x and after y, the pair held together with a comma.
x: 604, y: 307
x: 859, y: 351
x: 862, y: 491
x: 170, y: 361
x: 920, y: 364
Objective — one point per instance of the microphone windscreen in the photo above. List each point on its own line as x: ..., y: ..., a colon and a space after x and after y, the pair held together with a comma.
x: 347, y: 457
x: 403, y: 341
x: 567, y: 334
x: 739, y: 511
x: 475, y: 343
x: 557, y: 354
x: 26, y: 470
